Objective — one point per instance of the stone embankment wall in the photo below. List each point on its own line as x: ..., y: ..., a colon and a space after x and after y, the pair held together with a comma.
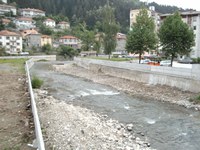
x: 182, y: 78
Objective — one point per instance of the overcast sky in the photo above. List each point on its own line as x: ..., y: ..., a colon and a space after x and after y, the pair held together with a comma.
x: 194, y: 4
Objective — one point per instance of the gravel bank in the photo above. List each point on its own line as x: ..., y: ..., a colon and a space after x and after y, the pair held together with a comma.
x: 72, y: 127
x: 140, y: 90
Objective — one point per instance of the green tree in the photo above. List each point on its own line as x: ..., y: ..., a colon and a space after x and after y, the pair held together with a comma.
x: 67, y: 51
x: 110, y: 29
x: 142, y: 36
x: 2, y: 27
x: 175, y: 37
x: 47, y: 48
x: 2, y: 51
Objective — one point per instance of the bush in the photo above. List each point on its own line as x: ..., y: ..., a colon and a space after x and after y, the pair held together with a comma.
x: 196, y: 99
x: 36, y: 82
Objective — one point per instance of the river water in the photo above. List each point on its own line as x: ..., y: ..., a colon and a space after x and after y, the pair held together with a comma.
x: 167, y: 126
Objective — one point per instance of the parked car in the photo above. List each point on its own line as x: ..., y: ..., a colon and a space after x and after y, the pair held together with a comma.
x: 185, y: 60
x: 144, y: 61
x: 165, y: 63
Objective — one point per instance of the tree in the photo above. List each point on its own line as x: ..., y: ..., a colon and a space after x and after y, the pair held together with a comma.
x: 2, y: 51
x: 175, y: 37
x: 142, y: 37
x: 67, y: 51
x: 110, y: 29
x: 47, y: 48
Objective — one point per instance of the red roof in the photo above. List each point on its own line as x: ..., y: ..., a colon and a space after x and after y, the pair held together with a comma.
x: 68, y: 37
x: 32, y: 9
x: 63, y: 22
x: 8, y: 33
x: 6, y: 21
x: 49, y: 19
x: 25, y: 19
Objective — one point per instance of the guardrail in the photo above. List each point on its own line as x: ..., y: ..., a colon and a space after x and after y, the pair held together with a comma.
x: 39, y: 142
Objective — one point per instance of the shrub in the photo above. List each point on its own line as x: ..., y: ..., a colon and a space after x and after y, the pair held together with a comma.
x: 36, y: 82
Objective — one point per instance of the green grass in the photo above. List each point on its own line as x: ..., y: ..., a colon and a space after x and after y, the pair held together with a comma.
x: 36, y: 82
x: 196, y: 99
x: 111, y: 59
x: 19, y: 64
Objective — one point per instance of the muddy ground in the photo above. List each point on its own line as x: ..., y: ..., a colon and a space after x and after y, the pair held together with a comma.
x: 16, y: 126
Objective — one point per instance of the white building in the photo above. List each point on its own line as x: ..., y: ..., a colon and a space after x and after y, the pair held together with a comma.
x: 24, y: 23
x: 69, y: 41
x: 192, y: 18
x: 7, y: 9
x: 30, y: 12
x: 63, y: 25
x: 152, y: 13
x: 50, y: 23
x: 11, y: 41
x: 4, y: 1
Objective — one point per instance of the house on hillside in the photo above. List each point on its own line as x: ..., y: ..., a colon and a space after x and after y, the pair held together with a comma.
x: 7, y: 9
x: 45, y: 39
x: 5, y: 21
x: 31, y: 12
x: 63, y: 25
x: 24, y: 33
x: 33, y: 40
x: 24, y: 23
x: 70, y: 41
x: 11, y: 41
x: 50, y: 23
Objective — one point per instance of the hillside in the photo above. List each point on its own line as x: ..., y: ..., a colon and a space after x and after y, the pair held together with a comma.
x: 86, y: 10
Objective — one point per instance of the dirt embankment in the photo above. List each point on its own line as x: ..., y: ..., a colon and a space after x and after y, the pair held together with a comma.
x: 16, y: 127
x: 137, y: 89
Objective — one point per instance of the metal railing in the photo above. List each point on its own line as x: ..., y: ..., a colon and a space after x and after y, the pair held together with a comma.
x: 39, y: 142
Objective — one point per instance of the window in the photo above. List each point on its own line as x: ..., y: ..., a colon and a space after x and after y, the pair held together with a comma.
x: 7, y: 37
x: 7, y: 43
x: 194, y: 19
x: 194, y: 27
x: 18, y: 43
x: 1, y: 43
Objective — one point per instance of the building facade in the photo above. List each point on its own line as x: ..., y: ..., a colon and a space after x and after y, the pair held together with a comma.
x: 69, y: 41
x: 45, y: 39
x: 121, y: 44
x: 63, y: 25
x: 33, y: 40
x: 191, y: 18
x: 24, y: 23
x: 30, y: 12
x: 50, y: 23
x: 11, y: 41
x: 7, y: 9
x: 152, y: 13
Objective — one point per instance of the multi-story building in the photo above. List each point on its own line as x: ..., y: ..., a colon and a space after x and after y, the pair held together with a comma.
x: 30, y: 12
x: 11, y: 41
x: 4, y: 1
x: 49, y: 23
x: 5, y: 21
x: 121, y: 43
x: 24, y: 33
x: 7, y: 9
x: 192, y: 18
x: 151, y: 12
x: 24, y: 23
x: 45, y: 39
x: 33, y: 40
x: 69, y: 41
x: 63, y: 25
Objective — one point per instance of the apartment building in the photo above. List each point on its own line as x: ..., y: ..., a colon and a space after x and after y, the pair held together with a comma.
x: 121, y: 43
x: 50, y: 23
x: 24, y: 23
x: 152, y: 13
x: 33, y: 40
x: 11, y: 41
x: 192, y: 18
x: 45, y: 39
x: 31, y: 12
x: 69, y: 41
x: 7, y: 9
x: 63, y: 25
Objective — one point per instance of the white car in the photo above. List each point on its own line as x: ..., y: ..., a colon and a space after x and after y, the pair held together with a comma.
x: 165, y: 63
x: 144, y: 61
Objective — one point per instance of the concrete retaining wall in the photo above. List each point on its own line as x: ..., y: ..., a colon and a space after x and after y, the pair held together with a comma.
x: 184, y: 79
x: 34, y: 58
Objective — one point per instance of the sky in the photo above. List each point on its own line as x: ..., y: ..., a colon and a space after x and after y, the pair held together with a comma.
x: 194, y: 4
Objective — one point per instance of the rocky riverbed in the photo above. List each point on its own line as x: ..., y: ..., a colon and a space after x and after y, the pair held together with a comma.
x: 72, y: 127
x: 137, y: 89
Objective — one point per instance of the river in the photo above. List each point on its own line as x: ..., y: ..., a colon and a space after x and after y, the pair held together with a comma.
x: 167, y: 126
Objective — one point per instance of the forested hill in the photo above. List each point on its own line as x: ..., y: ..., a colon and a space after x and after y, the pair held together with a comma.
x: 79, y: 10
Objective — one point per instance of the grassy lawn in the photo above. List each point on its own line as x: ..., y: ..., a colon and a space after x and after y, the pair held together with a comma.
x: 18, y: 64
x: 111, y: 59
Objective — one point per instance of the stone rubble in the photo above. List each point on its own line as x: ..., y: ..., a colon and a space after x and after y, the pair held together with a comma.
x: 66, y: 126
